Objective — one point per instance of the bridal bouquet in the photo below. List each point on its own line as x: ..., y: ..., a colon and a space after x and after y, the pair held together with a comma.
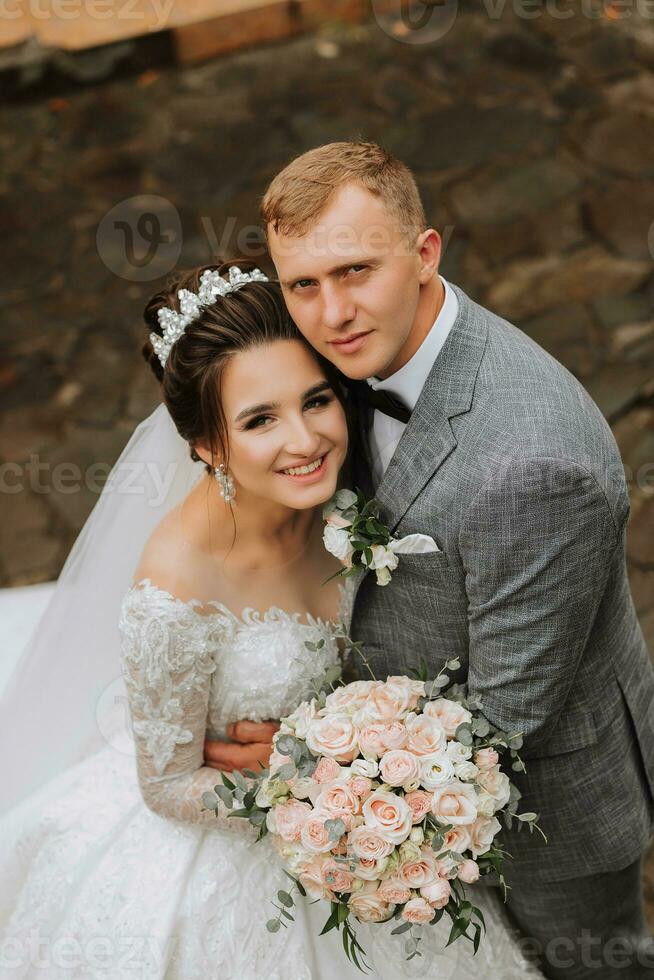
x: 382, y: 798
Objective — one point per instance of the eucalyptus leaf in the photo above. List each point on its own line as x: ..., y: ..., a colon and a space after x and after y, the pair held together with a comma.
x: 225, y: 796
x: 240, y: 781
x: 463, y: 734
x: 287, y: 771
x: 273, y: 925
x: 285, y: 898
x: 210, y: 801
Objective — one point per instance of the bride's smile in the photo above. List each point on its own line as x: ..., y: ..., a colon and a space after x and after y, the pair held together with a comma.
x: 286, y: 429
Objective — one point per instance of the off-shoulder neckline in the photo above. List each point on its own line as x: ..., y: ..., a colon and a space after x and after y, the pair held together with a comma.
x: 248, y: 616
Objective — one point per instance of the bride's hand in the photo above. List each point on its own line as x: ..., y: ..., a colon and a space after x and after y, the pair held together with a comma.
x: 252, y: 745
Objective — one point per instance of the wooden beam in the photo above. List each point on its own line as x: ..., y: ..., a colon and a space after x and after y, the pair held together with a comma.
x: 200, y: 28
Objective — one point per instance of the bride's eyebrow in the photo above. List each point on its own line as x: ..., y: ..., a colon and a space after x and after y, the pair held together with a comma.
x: 271, y: 406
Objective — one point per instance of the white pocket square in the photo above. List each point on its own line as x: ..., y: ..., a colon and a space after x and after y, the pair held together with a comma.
x: 413, y: 544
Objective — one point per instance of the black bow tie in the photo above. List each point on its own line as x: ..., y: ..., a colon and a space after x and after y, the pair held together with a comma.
x: 387, y: 403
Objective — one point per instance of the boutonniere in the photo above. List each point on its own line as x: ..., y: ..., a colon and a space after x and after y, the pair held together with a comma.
x: 355, y: 534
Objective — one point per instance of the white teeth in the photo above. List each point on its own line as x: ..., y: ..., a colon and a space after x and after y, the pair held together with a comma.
x: 301, y: 470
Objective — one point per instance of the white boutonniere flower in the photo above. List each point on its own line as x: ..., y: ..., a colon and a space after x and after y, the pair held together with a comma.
x: 356, y: 536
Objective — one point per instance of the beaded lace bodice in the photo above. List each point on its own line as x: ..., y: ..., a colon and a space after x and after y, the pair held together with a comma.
x: 189, y: 674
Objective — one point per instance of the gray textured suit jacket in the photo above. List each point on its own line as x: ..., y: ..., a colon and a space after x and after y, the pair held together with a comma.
x: 509, y: 465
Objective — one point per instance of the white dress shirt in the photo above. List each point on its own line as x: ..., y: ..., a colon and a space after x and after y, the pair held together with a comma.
x: 407, y: 383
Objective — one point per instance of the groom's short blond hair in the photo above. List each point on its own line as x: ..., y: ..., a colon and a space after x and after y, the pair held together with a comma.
x: 299, y: 194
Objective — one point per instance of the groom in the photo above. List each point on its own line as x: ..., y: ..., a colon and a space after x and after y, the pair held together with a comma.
x: 472, y: 434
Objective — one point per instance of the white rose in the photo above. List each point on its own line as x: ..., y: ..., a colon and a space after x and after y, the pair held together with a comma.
x: 497, y: 784
x: 302, y: 788
x: 365, y: 767
x: 265, y: 795
x: 383, y: 576
x: 301, y: 718
x: 383, y: 557
x: 458, y: 752
x: 465, y: 770
x: 482, y: 834
x: 485, y: 805
x: 337, y: 543
x: 436, y: 769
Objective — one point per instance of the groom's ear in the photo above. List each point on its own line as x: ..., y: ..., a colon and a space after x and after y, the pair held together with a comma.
x: 429, y: 245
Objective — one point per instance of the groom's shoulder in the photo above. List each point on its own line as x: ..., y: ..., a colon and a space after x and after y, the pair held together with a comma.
x: 532, y: 397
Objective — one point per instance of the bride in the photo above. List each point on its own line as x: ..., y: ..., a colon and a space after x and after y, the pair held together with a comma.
x: 206, y: 550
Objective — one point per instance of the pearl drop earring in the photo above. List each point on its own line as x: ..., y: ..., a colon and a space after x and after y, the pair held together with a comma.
x: 226, y: 483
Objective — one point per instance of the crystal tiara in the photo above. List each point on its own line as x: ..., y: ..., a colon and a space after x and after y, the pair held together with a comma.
x: 191, y: 304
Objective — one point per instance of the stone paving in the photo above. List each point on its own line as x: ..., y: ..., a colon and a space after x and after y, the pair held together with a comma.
x: 532, y: 138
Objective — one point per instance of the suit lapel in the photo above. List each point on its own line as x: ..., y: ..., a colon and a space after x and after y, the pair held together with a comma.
x: 428, y: 438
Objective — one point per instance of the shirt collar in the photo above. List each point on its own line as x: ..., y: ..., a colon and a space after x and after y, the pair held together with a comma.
x: 408, y: 382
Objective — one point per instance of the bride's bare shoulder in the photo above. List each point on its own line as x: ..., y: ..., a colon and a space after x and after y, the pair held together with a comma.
x: 165, y: 556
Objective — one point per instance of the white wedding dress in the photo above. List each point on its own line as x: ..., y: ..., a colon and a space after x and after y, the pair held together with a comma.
x: 104, y: 874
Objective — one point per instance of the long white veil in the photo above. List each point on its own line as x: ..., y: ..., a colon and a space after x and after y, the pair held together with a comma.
x: 66, y: 698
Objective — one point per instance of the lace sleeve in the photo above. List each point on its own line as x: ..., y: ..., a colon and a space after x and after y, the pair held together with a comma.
x: 167, y: 659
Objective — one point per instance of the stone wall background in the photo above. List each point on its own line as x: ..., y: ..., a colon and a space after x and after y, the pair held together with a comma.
x: 533, y: 143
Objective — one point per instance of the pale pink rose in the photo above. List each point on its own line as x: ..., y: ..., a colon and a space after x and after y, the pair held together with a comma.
x: 371, y: 742
x: 315, y: 836
x: 437, y: 892
x: 486, y: 758
x: 469, y: 872
x: 367, y: 906
x: 457, y: 839
x: 311, y: 879
x: 336, y: 877
x: 361, y: 785
x: 389, y: 814
x: 392, y: 700
x: 482, y: 834
x: 395, y: 735
x: 333, y: 736
x: 338, y: 799
x: 327, y: 770
x: 291, y: 817
x: 394, y: 891
x: 348, y: 699
x: 417, y: 910
x: 368, y: 843
x: 426, y: 735
x: 420, y: 803
x: 398, y: 767
x: 415, y: 874
x: 455, y: 803
x: 367, y: 869
x: 497, y: 784
x: 451, y: 714
x: 446, y: 867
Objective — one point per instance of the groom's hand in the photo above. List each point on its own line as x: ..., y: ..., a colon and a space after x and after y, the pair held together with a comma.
x: 252, y: 745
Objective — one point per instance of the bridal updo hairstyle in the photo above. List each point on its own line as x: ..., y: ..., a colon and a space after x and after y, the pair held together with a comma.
x: 250, y: 316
